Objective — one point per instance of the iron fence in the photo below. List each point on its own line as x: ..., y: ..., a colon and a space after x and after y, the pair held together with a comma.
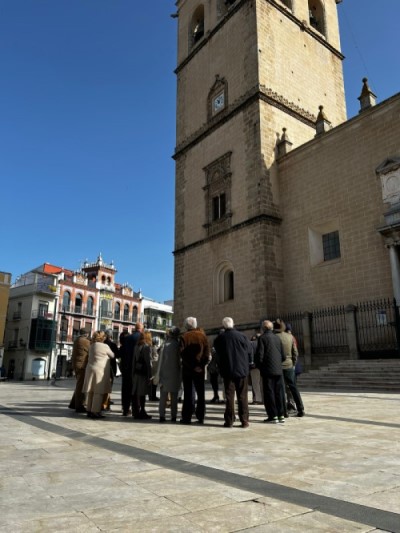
x: 296, y: 322
x: 377, y: 326
x: 328, y: 330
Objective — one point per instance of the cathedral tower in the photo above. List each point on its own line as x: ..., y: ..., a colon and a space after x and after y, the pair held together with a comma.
x: 247, y: 70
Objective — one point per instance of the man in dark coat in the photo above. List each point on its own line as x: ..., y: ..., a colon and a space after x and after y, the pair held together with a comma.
x: 195, y: 354
x: 127, y: 348
x: 234, y: 355
x: 269, y: 358
x: 80, y: 355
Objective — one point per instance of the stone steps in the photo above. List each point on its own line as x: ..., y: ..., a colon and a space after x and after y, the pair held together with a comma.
x: 378, y: 375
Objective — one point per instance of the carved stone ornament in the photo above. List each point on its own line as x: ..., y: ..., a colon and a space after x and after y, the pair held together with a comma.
x: 389, y: 172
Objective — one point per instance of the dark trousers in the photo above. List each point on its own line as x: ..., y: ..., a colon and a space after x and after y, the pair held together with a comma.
x: 78, y: 397
x: 126, y: 390
x: 214, y: 383
x: 153, y: 393
x: 272, y: 386
x: 196, y: 380
x: 138, y: 405
x: 290, y: 380
x: 241, y: 387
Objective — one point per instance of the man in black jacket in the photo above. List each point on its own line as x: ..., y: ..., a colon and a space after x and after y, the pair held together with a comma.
x: 269, y: 357
x: 126, y: 350
x: 234, y: 354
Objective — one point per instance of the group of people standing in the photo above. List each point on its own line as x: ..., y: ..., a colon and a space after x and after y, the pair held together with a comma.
x: 180, y: 363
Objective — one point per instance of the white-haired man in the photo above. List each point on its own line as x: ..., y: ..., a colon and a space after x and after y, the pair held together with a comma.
x: 234, y: 354
x: 269, y: 358
x: 195, y: 354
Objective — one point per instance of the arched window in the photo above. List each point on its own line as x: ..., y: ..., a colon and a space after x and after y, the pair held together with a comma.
x: 90, y: 305
x: 66, y: 301
x: 103, y: 280
x: 197, y: 26
x: 117, y: 311
x: 288, y: 3
x: 223, y: 7
x: 78, y: 303
x: 63, y: 329
x: 224, y: 289
x: 134, y: 313
x: 316, y: 12
x: 126, y: 312
x: 105, y: 309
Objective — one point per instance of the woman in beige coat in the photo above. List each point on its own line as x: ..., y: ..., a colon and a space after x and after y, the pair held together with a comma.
x: 97, y: 376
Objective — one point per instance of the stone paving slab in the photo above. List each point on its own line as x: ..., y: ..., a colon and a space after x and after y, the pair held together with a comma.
x: 336, y: 469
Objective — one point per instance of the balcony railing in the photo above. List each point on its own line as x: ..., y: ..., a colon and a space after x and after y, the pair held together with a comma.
x: 117, y: 316
x: 63, y: 337
x: 106, y: 314
x: 39, y: 313
x: 17, y: 315
x: 77, y: 310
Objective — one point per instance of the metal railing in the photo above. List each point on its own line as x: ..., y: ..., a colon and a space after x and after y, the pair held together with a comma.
x: 328, y: 330
x: 378, y: 327
x: 296, y: 322
x: 77, y: 310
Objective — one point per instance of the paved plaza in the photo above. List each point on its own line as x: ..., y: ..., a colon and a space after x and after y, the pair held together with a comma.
x: 336, y: 469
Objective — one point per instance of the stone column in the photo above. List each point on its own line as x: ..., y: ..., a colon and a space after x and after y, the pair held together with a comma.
x: 307, y: 340
x: 395, y: 268
x: 351, y: 330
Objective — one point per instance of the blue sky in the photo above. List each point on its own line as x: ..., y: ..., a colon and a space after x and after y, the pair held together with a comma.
x: 87, y: 128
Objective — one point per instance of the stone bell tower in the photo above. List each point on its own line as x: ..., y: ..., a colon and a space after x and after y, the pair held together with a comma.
x: 247, y: 71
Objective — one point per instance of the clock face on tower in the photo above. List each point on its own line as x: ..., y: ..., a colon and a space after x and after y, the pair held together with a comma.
x: 218, y: 102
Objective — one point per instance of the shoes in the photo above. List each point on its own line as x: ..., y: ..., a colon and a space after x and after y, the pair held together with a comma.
x: 111, y: 402
x: 185, y: 422
x: 273, y: 420
x: 127, y: 413
x: 300, y: 413
x: 200, y: 421
x: 245, y: 424
x: 173, y: 419
x: 95, y: 416
x: 162, y: 419
x: 281, y: 419
x: 214, y: 400
x: 228, y: 425
x: 80, y: 410
x: 144, y: 416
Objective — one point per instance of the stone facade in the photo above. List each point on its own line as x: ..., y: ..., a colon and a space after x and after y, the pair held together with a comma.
x: 5, y: 282
x: 249, y: 238
x: 331, y: 184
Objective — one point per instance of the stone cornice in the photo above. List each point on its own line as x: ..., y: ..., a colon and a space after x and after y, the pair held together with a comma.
x: 257, y: 93
x: 255, y: 220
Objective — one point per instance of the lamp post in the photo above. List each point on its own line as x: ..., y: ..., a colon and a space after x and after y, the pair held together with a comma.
x: 59, y: 362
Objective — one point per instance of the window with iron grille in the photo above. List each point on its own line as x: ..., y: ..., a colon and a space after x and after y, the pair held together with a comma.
x: 219, y: 206
x: 218, y: 195
x: 331, y: 245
